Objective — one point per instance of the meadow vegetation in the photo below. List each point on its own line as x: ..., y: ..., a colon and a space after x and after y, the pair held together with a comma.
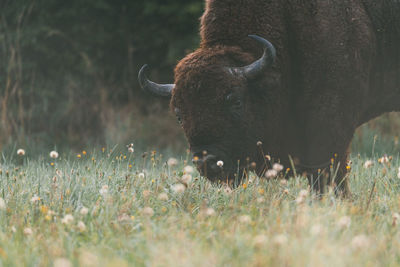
x: 120, y: 207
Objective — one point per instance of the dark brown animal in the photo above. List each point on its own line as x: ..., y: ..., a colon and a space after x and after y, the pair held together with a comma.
x: 337, y: 67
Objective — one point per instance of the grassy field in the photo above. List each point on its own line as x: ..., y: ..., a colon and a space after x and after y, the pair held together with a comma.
x: 112, y: 208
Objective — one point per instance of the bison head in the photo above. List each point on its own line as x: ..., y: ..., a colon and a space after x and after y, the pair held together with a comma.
x: 214, y: 103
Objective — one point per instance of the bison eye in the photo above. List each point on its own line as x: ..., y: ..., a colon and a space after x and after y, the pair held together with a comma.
x: 178, y: 115
x: 234, y: 101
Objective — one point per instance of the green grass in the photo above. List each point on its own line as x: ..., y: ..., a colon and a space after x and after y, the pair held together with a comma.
x: 259, y: 224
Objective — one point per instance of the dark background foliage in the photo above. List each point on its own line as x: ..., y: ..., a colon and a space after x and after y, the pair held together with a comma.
x: 68, y: 69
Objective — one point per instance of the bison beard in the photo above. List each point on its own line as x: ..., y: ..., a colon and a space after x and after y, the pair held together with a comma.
x: 337, y: 67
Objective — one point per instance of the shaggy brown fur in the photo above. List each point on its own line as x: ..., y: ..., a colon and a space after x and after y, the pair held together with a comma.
x: 337, y: 67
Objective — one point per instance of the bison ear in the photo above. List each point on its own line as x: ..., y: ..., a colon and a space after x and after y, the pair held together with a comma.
x: 155, y: 88
x: 258, y: 67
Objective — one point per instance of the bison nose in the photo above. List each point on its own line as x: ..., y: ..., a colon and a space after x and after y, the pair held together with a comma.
x: 207, y: 164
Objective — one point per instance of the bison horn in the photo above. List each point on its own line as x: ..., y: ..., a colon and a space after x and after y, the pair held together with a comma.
x: 155, y: 88
x: 257, y: 67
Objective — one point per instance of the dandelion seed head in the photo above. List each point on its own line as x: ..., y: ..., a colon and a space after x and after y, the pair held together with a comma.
x: 188, y: 169
x: 245, y: 219
x: 178, y: 188
x: 344, y: 222
x: 172, y: 162
x: 104, y: 190
x: 141, y: 175
x: 68, y: 218
x: 147, y: 211
x: 53, y: 154
x: 368, y: 164
x: 220, y: 163
x: 271, y: 174
x: 146, y: 193
x: 21, y: 152
x: 35, y: 199
x: 209, y: 212
x: 163, y: 196
x: 84, y: 211
x: 81, y: 226
x: 277, y: 167
x: 186, y: 178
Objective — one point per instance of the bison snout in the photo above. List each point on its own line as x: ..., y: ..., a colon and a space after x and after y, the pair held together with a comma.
x: 207, y: 164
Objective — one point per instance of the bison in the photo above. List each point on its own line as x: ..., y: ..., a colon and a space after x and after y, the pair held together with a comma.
x: 328, y: 67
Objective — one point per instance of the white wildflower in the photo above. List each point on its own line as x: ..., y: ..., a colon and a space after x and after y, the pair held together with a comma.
x: 220, y: 163
x: 147, y: 211
x: 53, y: 154
x: 2, y: 204
x: 104, y: 190
x: 172, y: 162
x: 13, y: 229
x: 368, y: 164
x: 277, y: 167
x: 68, y: 218
x: 141, y: 175
x: 344, y: 222
x: 178, y: 188
x: 21, y: 152
x: 84, y: 211
x: 271, y: 174
x: 163, y: 196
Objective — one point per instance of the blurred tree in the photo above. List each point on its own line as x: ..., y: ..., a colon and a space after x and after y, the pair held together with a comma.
x: 62, y: 63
